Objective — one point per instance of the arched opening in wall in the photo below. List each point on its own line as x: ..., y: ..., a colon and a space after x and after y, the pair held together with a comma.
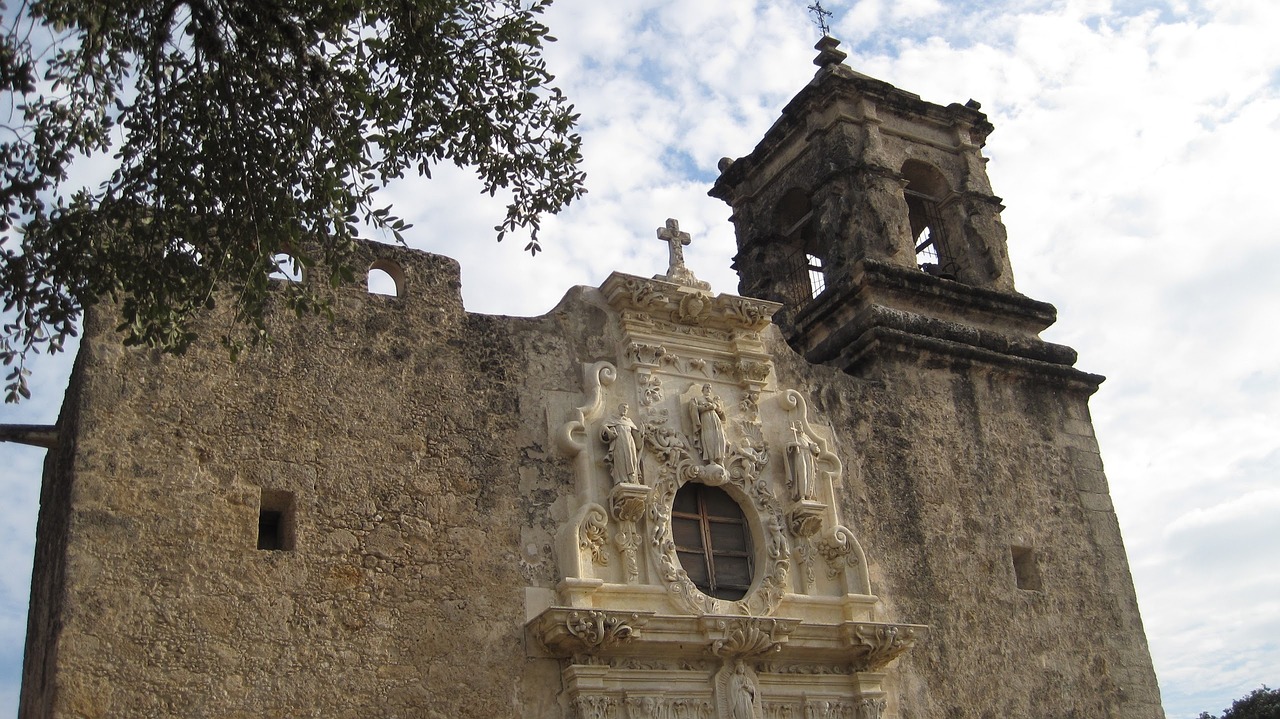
x: 805, y: 267
x: 287, y: 268
x: 386, y: 278
x: 712, y: 541
x: 817, y: 275
x: 926, y: 189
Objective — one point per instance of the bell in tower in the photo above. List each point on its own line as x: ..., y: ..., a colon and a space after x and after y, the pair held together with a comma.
x: 867, y: 212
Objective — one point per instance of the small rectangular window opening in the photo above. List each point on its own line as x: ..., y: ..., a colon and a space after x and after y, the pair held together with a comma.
x: 1025, y: 571
x: 276, y: 520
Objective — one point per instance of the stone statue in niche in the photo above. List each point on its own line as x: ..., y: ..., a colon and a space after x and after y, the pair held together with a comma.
x: 737, y: 692
x: 743, y: 693
x: 622, y: 437
x: 707, y: 414
x: 802, y: 457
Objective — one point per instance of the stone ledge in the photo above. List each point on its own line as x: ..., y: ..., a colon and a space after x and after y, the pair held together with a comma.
x: 574, y: 633
x: 879, y: 342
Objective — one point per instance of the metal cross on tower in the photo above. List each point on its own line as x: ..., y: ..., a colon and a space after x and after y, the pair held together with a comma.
x: 820, y: 15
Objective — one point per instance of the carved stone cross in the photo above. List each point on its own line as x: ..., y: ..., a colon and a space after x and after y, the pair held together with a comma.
x: 676, y: 240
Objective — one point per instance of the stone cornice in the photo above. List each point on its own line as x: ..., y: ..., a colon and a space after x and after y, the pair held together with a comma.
x: 836, y: 84
x: 604, y: 634
x: 683, y: 305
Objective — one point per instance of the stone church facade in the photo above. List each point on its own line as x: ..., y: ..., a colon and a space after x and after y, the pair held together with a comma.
x: 864, y: 488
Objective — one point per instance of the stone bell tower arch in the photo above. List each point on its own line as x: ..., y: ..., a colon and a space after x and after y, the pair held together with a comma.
x: 858, y: 175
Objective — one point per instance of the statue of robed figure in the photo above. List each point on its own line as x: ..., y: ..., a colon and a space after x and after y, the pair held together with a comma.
x: 622, y: 436
x: 707, y: 415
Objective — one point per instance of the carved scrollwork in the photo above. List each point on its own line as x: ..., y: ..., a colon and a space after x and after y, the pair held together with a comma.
x: 781, y: 711
x: 879, y: 644
x: 807, y: 669
x: 595, y: 707
x: 592, y: 534
x: 747, y: 313
x: 598, y: 631
x: 628, y: 502
x: 745, y: 371
x: 650, y: 390
x: 588, y: 635
x: 828, y: 710
x: 638, y: 317
x: 668, y: 707
x: 572, y: 437
x: 871, y: 708
x: 838, y: 548
x: 647, y: 354
x: 651, y: 664
x: 753, y: 371
x: 644, y: 293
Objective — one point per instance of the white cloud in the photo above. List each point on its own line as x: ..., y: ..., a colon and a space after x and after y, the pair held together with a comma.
x: 914, y: 9
x: 1134, y: 153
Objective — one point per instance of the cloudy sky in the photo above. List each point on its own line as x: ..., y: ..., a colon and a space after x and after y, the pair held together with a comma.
x: 1133, y: 147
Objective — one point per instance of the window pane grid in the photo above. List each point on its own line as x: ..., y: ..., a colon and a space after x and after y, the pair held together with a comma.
x: 721, y: 565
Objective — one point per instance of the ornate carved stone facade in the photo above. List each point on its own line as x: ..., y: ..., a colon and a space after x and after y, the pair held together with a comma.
x: 712, y: 413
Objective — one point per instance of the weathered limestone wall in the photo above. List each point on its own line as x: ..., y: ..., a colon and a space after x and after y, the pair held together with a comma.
x: 401, y: 433
x: 958, y: 462
x: 415, y: 439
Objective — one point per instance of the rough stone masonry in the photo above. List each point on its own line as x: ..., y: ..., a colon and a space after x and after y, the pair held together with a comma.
x: 863, y: 489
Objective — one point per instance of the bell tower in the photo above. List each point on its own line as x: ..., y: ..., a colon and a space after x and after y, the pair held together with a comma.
x: 866, y: 213
x: 865, y: 207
